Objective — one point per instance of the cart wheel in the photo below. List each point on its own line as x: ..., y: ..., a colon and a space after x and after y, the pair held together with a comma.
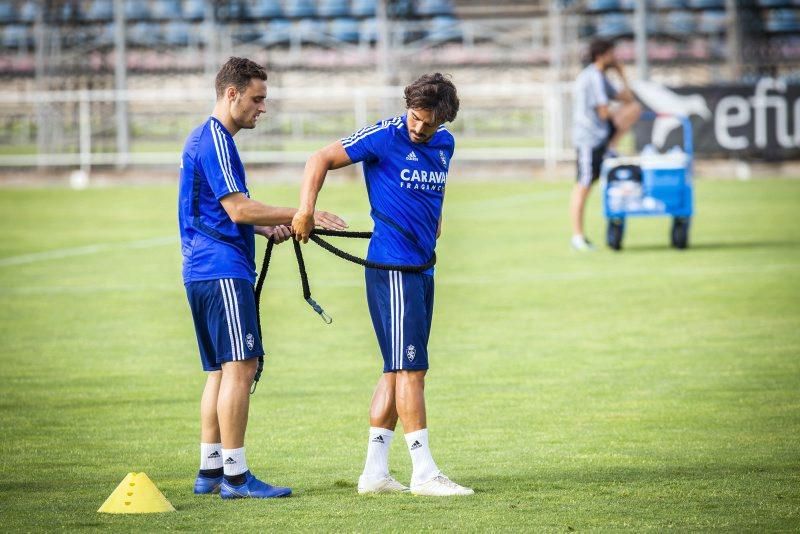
x: 616, y: 228
x: 680, y: 232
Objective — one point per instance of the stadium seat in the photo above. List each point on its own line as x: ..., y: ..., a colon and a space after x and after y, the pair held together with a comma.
x: 311, y: 30
x: 613, y: 25
x: 298, y: 9
x: 363, y: 8
x: 7, y: 13
x: 28, y: 11
x: 246, y: 33
x: 194, y: 10
x: 345, y: 30
x: 69, y: 12
x: 17, y: 36
x: 176, y: 33
x: 278, y: 32
x: 103, y: 36
x: 333, y: 8
x: 712, y: 22
x: 136, y: 10
x: 167, y: 10
x: 603, y: 5
x: 783, y: 21
x: 266, y: 10
x: 432, y: 8
x: 777, y: 3
x: 707, y: 4
x: 99, y: 11
x: 669, y: 4
x: 444, y: 29
x: 144, y: 34
x: 368, y: 31
x: 233, y: 11
x: 678, y: 23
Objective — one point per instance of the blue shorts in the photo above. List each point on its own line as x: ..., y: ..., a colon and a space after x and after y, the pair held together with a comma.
x: 401, y: 306
x: 225, y: 321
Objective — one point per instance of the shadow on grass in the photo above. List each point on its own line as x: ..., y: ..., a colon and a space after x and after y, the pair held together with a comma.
x: 742, y: 245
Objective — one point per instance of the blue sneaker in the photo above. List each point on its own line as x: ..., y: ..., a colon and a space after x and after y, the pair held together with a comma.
x: 204, y: 485
x: 253, y: 488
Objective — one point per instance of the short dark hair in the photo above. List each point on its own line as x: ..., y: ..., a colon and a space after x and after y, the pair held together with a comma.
x: 598, y: 47
x: 434, y: 92
x: 238, y: 72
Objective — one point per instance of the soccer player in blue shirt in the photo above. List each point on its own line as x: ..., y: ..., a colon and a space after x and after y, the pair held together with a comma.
x: 406, y: 160
x: 218, y: 222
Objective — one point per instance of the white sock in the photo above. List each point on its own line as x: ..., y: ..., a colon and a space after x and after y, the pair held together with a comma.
x: 424, y: 466
x: 210, y: 455
x: 377, y: 464
x: 234, y: 462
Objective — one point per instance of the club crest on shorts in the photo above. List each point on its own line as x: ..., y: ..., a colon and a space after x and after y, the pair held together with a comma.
x: 411, y: 352
x: 250, y: 340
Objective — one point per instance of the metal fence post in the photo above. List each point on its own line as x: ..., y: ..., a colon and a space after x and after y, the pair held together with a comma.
x: 85, y: 131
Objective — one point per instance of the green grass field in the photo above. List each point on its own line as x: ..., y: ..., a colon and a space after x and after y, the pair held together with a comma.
x: 651, y: 389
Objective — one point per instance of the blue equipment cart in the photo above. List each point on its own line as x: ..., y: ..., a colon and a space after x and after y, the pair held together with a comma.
x: 651, y: 184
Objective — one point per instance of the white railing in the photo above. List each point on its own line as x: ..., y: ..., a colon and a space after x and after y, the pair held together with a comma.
x: 510, y: 122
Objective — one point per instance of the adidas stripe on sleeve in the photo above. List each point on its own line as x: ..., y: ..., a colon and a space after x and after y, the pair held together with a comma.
x: 214, y: 154
x: 370, y: 143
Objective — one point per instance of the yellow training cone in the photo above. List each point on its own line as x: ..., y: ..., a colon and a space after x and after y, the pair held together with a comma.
x: 136, y: 494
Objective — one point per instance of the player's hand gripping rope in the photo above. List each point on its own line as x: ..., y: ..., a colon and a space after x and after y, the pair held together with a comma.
x: 314, y: 235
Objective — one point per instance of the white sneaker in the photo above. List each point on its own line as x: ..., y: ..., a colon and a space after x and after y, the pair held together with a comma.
x: 579, y: 242
x: 440, y: 486
x: 386, y: 484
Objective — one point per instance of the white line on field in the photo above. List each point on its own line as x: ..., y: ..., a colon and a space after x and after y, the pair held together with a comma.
x: 453, y: 280
x: 87, y: 249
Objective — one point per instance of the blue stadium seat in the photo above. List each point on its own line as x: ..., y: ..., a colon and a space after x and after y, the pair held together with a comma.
x: 167, y: 10
x: 7, y: 13
x: 678, y: 23
x: 28, y: 11
x: 712, y: 22
x: 176, y: 33
x: 363, y: 8
x: 783, y: 21
x: 99, y: 11
x: 368, y: 31
x: 278, y: 32
x: 613, y: 25
x: 401, y: 9
x: 603, y: 5
x: 345, y: 29
x: 707, y: 4
x: 194, y: 10
x: 266, y: 9
x: 669, y: 4
x: 297, y: 9
x: 777, y: 3
x: 432, y: 8
x: 17, y: 36
x: 233, y: 11
x: 103, y: 37
x: 144, y: 34
x: 311, y: 30
x: 333, y: 8
x: 70, y: 12
x: 136, y: 10
x: 444, y: 28
x: 246, y: 33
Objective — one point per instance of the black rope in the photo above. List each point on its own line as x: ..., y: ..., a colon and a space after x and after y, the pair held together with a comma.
x: 301, y: 265
x: 259, y: 286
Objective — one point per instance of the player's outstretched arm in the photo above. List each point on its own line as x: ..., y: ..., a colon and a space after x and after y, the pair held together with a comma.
x: 331, y: 157
x: 243, y: 210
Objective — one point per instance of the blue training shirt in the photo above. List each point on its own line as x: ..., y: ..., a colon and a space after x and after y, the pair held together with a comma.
x: 405, y: 184
x: 213, y: 246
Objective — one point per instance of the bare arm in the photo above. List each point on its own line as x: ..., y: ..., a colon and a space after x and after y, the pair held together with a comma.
x: 243, y: 210
x: 331, y: 157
